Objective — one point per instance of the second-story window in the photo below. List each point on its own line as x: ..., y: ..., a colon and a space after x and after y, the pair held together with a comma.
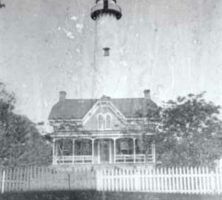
x: 108, y: 121
x: 104, y: 121
x: 101, y: 122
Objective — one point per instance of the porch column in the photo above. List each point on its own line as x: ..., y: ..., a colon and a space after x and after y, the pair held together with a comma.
x: 110, y: 150
x: 93, y: 154
x: 134, y: 150
x: 154, y: 152
x: 73, y: 150
x: 98, y: 149
x: 114, y: 150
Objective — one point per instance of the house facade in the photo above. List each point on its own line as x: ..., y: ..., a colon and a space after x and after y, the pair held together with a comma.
x: 103, y: 131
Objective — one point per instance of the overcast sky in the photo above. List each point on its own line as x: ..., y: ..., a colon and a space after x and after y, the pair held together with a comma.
x: 173, y: 47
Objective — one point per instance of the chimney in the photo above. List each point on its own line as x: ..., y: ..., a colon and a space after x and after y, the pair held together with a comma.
x: 147, y: 94
x: 62, y: 95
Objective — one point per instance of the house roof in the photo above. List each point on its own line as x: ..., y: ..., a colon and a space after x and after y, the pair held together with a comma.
x: 77, y: 108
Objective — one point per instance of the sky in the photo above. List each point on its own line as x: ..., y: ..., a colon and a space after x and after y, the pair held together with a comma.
x: 172, y: 47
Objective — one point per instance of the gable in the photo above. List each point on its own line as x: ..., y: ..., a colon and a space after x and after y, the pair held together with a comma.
x: 104, y: 112
x: 104, y: 106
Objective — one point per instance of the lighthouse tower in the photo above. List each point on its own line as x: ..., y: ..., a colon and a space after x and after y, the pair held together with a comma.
x: 106, y: 14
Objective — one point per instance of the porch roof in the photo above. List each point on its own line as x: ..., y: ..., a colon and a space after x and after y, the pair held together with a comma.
x: 100, y: 134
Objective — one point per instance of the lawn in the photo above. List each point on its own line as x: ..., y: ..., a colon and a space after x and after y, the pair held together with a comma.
x: 94, y: 195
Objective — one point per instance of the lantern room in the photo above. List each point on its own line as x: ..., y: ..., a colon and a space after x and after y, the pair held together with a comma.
x: 106, y: 7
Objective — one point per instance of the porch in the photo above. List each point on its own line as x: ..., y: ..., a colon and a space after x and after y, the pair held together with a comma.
x: 98, y: 151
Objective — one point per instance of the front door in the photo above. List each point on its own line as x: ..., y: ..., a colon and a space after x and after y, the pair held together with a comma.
x: 104, y: 151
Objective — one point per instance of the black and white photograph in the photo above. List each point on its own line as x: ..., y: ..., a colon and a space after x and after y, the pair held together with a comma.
x: 111, y: 99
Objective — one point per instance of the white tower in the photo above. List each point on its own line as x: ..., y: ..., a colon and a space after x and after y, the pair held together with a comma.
x: 106, y: 14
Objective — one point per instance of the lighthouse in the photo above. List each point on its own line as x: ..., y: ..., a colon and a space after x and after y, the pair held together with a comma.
x: 106, y: 14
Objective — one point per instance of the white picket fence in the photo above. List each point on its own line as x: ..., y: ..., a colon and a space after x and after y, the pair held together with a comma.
x: 46, y: 179
x: 199, y: 180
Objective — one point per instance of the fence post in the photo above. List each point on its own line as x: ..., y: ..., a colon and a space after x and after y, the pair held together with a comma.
x: 69, y: 184
x: 213, y: 181
x: 98, y: 179
x: 137, y: 180
x: 3, y: 182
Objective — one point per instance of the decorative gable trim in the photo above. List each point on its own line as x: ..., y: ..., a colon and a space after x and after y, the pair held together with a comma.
x: 107, y: 104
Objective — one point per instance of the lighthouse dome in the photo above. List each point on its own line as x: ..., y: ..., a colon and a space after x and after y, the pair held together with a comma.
x: 106, y: 7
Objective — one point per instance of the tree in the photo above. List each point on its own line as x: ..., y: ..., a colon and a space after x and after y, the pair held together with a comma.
x: 2, y: 5
x: 189, y: 132
x: 20, y: 141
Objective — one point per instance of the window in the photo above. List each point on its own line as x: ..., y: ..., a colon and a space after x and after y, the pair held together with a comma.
x: 124, y: 146
x: 101, y: 122
x: 65, y: 147
x: 140, y: 147
x: 83, y: 147
x: 108, y: 121
x: 106, y: 51
x: 104, y: 121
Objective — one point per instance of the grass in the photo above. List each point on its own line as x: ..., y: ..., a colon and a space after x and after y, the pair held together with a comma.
x: 94, y: 195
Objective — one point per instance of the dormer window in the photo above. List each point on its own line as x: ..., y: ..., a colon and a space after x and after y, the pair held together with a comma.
x: 101, y: 122
x: 104, y: 121
x: 108, y: 121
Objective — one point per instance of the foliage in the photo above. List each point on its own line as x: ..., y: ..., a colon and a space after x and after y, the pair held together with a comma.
x: 189, y: 132
x: 2, y: 5
x: 7, y: 102
x: 20, y: 141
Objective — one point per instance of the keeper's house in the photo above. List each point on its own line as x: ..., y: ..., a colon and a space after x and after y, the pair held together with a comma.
x: 103, y: 131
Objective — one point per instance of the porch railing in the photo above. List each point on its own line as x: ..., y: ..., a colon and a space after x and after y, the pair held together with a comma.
x: 131, y: 158
x: 83, y: 159
x: 89, y: 159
